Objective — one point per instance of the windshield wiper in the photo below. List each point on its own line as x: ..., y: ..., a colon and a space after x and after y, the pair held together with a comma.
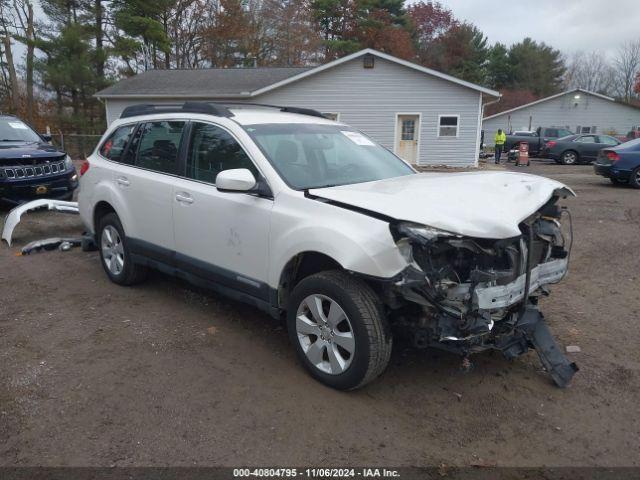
x: 13, y: 140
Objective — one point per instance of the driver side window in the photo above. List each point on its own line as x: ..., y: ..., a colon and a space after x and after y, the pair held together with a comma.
x: 212, y: 150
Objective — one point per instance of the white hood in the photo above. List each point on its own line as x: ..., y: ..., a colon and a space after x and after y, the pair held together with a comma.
x: 475, y: 204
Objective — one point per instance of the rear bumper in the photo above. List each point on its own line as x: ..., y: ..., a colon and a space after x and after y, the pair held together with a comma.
x: 609, y: 171
x: 16, y: 191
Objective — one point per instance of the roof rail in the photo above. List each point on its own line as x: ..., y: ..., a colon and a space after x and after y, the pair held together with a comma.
x: 302, y: 111
x: 298, y: 110
x: 190, y: 107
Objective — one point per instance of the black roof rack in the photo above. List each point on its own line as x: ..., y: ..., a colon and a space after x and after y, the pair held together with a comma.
x: 218, y: 109
x: 298, y: 110
x: 190, y: 107
x: 303, y: 111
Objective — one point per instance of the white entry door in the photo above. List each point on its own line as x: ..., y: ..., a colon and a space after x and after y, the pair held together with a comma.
x: 408, y: 129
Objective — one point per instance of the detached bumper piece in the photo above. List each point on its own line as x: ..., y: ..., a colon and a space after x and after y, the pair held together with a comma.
x: 13, y: 218
x: 62, y: 244
x: 532, y: 331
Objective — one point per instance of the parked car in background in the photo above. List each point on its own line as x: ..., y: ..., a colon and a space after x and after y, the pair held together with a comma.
x: 578, y: 148
x: 310, y: 219
x: 634, y: 132
x: 30, y: 166
x: 536, y: 139
x: 620, y: 164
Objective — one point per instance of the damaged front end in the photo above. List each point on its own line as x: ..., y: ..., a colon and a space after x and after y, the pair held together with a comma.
x: 472, y: 294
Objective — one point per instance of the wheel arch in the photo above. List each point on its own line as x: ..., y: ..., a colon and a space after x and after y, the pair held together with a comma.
x: 101, y: 209
x: 300, y: 266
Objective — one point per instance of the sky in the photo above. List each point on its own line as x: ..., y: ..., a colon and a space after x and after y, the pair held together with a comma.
x: 568, y: 25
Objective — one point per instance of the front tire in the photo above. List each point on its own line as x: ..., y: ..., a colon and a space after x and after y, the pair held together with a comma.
x: 569, y: 158
x: 115, y: 255
x: 337, y: 325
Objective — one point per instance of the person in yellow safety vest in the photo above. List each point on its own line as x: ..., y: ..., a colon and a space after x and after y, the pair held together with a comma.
x: 500, y: 140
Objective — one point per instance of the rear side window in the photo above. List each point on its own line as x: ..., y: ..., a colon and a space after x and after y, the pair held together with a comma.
x: 212, y: 150
x: 159, y: 146
x: 564, y: 133
x: 113, y: 147
x: 607, y: 140
x: 551, y: 132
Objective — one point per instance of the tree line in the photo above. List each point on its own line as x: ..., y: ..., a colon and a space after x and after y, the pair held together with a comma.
x: 79, y: 47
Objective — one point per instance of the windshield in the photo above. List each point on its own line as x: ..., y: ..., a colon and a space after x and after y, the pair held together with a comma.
x: 14, y: 130
x: 315, y: 156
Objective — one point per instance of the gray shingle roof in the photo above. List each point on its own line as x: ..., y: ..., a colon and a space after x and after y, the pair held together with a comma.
x: 205, y: 82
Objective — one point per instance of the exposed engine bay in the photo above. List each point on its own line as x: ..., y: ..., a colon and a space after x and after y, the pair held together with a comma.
x: 467, y: 294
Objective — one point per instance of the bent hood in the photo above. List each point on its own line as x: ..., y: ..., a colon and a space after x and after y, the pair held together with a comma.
x: 474, y: 204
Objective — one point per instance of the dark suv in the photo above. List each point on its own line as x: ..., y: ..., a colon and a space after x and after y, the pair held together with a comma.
x: 30, y: 167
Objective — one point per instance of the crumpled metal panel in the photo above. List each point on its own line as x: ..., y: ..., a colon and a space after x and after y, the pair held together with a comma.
x: 501, y: 296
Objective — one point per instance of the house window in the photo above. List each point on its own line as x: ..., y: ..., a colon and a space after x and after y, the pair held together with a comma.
x: 368, y: 61
x: 448, y: 125
x: 584, y: 130
x: 331, y: 116
x: 408, y: 129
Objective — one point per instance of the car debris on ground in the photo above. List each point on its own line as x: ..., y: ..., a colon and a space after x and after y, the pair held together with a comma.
x: 13, y: 217
x: 62, y: 244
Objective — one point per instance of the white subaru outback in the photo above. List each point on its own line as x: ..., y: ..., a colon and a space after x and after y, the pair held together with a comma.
x: 299, y: 215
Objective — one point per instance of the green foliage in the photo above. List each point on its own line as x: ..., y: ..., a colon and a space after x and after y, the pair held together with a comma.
x: 394, y: 8
x: 462, y: 52
x: 499, y: 68
x: 142, y: 20
x: 67, y: 68
x: 349, y: 25
x: 536, y: 67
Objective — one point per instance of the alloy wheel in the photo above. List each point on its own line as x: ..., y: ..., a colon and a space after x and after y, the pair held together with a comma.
x: 570, y: 158
x: 325, y: 334
x: 112, y: 250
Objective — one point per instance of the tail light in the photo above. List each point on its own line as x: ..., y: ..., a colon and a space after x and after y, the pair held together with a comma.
x: 84, y: 167
x: 613, y: 156
x: 551, y: 144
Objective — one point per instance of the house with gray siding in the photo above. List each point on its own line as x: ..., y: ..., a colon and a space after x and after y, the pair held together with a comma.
x: 424, y: 116
x: 577, y: 110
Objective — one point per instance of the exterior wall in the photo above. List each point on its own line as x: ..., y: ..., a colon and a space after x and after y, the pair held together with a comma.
x: 590, y: 111
x: 369, y: 99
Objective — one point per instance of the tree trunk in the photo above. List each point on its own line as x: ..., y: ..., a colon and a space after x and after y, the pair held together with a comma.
x: 13, y: 77
x: 99, y: 40
x: 30, y: 35
x: 167, y: 53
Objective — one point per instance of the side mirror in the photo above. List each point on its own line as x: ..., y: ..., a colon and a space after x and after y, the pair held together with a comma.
x: 235, y: 180
x: 46, y: 137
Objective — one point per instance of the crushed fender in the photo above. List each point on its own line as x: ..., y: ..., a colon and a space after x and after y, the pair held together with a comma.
x: 13, y: 217
x: 62, y: 244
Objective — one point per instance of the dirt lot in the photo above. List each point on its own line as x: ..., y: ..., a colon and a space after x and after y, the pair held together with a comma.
x: 163, y: 374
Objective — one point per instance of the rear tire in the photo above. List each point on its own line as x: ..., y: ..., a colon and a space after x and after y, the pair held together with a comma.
x: 115, y: 255
x: 634, y: 179
x: 569, y: 158
x: 319, y: 336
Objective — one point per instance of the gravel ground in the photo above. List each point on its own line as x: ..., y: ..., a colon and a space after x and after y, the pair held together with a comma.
x: 163, y: 374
